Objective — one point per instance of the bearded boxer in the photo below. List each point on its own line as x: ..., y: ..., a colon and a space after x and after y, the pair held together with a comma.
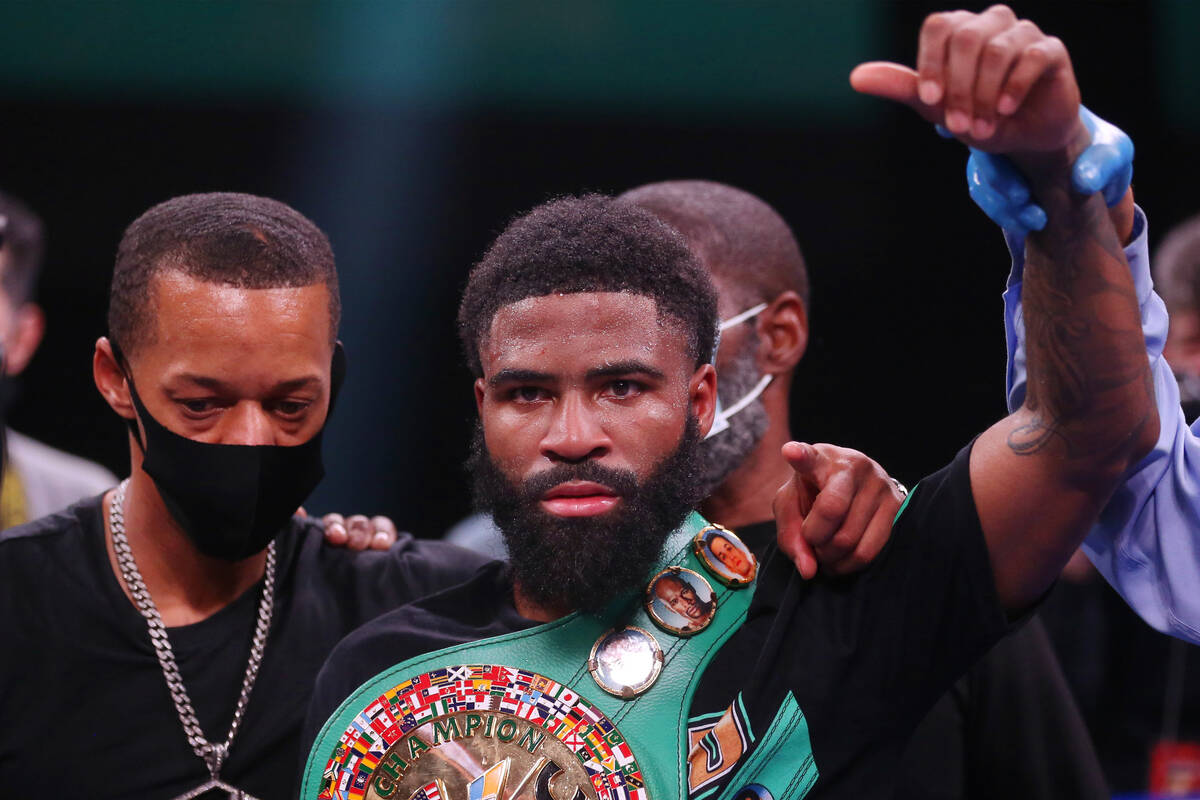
x: 590, y: 327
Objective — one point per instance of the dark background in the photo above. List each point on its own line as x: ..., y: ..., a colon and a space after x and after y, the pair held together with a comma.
x: 411, y: 132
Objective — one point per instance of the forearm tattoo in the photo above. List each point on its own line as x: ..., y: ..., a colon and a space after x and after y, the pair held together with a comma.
x: 1089, y: 385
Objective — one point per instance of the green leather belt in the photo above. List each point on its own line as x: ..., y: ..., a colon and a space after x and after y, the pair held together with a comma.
x: 346, y: 761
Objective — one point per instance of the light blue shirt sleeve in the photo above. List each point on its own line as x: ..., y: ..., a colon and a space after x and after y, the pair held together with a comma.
x: 1147, y: 542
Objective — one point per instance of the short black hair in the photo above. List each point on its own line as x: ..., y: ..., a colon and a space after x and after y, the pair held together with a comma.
x: 227, y: 238
x: 1177, y: 266
x: 24, y: 245
x: 736, y: 235
x: 590, y: 243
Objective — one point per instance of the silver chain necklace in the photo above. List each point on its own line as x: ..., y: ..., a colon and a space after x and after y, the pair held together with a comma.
x: 213, y: 754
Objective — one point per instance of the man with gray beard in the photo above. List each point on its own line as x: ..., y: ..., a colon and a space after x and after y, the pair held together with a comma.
x: 1009, y: 728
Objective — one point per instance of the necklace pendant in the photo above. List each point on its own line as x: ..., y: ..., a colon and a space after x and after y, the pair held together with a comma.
x: 212, y: 754
x: 214, y: 784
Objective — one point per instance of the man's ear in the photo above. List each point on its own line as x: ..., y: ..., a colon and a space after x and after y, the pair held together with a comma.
x: 782, y: 333
x: 480, y: 389
x: 29, y: 325
x: 702, y: 392
x: 110, y: 379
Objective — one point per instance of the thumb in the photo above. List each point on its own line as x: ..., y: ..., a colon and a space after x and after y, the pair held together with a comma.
x: 887, y: 80
x: 791, y: 505
x: 802, y: 555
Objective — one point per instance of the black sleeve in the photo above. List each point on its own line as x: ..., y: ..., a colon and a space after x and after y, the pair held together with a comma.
x: 429, y: 566
x: 935, y: 758
x: 380, y: 644
x: 927, y: 608
x: 935, y: 598
x: 336, y: 681
x: 373, y: 582
x: 1010, y: 728
x: 355, y: 660
x: 1026, y: 736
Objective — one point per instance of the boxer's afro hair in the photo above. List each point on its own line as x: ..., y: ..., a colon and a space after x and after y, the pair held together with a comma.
x: 591, y: 243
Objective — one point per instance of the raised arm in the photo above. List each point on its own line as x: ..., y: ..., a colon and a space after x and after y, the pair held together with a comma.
x: 1041, y: 475
x: 1145, y: 543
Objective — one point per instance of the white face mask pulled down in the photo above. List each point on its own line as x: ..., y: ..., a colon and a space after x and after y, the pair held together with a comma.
x: 721, y: 419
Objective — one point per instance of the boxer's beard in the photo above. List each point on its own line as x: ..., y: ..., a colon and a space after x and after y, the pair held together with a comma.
x: 725, y: 452
x: 571, y: 563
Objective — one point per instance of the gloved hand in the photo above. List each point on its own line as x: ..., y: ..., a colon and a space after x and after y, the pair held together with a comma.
x: 997, y: 188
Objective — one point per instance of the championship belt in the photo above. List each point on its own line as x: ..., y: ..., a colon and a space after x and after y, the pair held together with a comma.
x: 588, y: 707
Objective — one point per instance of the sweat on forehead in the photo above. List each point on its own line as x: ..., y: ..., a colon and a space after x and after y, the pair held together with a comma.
x: 589, y: 244
x: 607, y: 325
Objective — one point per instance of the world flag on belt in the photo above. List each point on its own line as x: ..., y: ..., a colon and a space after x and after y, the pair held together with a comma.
x: 489, y: 785
x: 544, y: 703
x: 430, y: 791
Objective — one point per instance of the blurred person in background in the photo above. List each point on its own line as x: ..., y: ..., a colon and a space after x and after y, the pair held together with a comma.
x: 1176, y: 267
x: 38, y: 479
x: 1146, y: 707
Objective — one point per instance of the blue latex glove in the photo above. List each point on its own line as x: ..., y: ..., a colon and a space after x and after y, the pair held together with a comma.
x: 999, y: 189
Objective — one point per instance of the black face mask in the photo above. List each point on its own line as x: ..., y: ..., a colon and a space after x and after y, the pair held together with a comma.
x: 231, y: 500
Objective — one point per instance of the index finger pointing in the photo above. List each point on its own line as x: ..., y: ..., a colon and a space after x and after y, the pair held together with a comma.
x: 801, y: 456
x: 790, y: 507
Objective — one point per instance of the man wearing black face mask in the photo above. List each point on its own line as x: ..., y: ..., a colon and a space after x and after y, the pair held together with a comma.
x: 167, y: 634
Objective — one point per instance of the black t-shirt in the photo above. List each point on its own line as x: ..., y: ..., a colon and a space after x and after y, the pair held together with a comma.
x: 864, y: 656
x: 1009, y: 728
x: 84, y: 705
